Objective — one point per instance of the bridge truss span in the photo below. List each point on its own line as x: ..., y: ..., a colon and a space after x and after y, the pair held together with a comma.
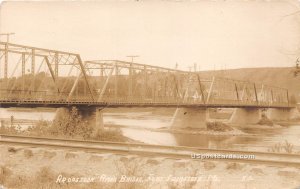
x: 118, y: 81
x: 30, y: 73
x: 31, y: 76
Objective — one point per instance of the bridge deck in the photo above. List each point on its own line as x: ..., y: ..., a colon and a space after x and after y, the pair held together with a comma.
x: 115, y: 104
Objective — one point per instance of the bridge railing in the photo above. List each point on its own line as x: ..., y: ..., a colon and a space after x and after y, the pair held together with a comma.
x: 42, y: 96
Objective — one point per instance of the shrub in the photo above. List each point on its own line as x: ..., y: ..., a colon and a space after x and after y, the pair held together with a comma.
x: 41, y: 128
x: 71, y: 124
x: 110, y: 135
x: 265, y: 121
x: 218, y: 126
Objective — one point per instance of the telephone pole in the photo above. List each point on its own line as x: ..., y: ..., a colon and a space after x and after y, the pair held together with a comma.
x: 132, y: 57
x: 297, y: 70
x: 195, y: 67
x: 131, y: 75
x: 7, y: 36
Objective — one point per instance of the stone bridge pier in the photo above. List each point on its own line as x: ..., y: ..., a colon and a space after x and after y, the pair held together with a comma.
x: 189, y: 118
x: 281, y: 114
x: 245, y: 116
x: 254, y: 115
x: 91, y: 115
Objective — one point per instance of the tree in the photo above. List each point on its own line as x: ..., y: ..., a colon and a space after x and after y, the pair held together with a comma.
x: 70, y: 123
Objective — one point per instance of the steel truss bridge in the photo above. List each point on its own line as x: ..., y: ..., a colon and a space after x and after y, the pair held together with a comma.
x: 38, y: 77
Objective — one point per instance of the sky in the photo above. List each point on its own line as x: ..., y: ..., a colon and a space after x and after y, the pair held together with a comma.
x: 211, y: 34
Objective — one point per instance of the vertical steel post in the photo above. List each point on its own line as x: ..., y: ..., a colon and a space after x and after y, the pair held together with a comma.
x: 116, y: 81
x: 166, y: 83
x: 102, y: 71
x: 23, y: 72
x: 33, y: 67
x: 130, y: 81
x: 287, y: 96
x: 153, y: 86
x: 101, y: 76
x: 56, y: 64
x: 32, y: 61
x: 5, y: 60
x: 5, y: 66
x: 145, y: 81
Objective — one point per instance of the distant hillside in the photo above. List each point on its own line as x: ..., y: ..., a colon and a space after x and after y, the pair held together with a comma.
x: 282, y: 77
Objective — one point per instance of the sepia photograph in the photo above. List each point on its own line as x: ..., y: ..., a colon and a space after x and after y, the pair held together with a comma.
x: 150, y: 94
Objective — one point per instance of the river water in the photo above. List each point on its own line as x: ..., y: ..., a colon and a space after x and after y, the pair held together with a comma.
x: 139, y: 125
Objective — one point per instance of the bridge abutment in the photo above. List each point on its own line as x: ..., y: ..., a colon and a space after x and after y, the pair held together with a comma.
x: 91, y: 115
x: 189, y: 118
x: 245, y: 116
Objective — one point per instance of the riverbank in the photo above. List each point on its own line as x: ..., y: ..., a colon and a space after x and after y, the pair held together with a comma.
x: 25, y: 167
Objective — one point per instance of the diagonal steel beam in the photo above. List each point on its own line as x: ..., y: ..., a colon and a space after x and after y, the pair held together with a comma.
x: 105, y: 85
x: 201, y: 89
x: 52, y: 73
x: 210, y: 90
x: 74, y: 87
x: 85, y: 76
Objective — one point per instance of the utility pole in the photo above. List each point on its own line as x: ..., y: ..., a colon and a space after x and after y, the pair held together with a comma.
x: 7, y: 36
x: 132, y: 57
x: 131, y: 75
x: 6, y: 52
x: 297, y: 68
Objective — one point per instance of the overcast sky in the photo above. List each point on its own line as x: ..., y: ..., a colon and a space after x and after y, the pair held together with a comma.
x: 210, y: 33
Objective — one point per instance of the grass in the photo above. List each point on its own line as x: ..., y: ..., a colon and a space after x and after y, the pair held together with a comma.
x: 5, y: 173
x: 131, y: 168
x: 28, y: 153
x: 284, y: 147
x: 44, y: 178
x: 111, y: 134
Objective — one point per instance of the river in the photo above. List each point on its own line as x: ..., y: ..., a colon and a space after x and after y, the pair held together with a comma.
x: 136, y: 125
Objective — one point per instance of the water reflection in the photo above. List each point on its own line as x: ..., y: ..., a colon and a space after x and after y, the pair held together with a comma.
x: 28, y: 114
x: 256, y: 139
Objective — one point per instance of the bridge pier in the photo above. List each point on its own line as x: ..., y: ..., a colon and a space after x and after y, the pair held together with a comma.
x: 245, y: 116
x: 280, y: 114
x: 91, y: 115
x: 189, y: 118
